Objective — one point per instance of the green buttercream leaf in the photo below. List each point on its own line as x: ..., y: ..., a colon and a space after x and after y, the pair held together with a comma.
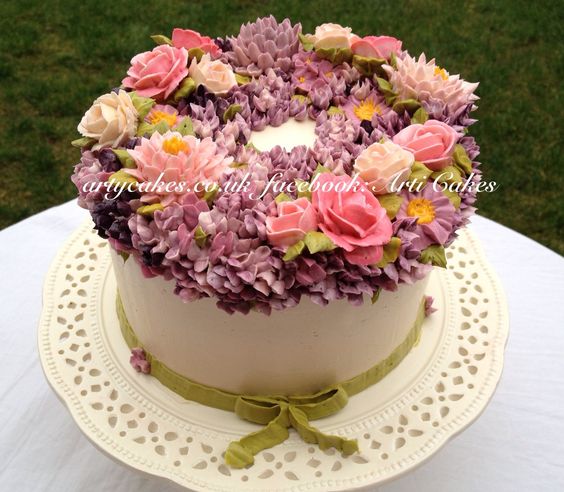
x: 185, y: 127
x: 148, y: 129
x: 200, y: 236
x: 161, y: 39
x: 369, y: 66
x: 125, y: 159
x: 122, y: 178
x: 196, y: 53
x: 162, y: 127
x: 420, y: 116
x: 301, y: 98
x: 318, y: 170
x: 124, y: 255
x: 238, y: 165
x: 84, y: 142
x: 142, y: 104
x: 231, y: 111
x: 306, y: 43
x: 461, y: 159
x: 242, y: 79
x: 434, y: 254
x: 391, y: 202
x: 409, y: 105
x: 449, y: 174
x: 419, y: 172
x: 149, y: 210
x: 282, y: 197
x: 334, y: 110
x: 387, y: 90
x: 453, y: 197
x: 393, y: 60
x: 302, y: 188
x: 251, y: 146
x: 376, y: 295
x: 210, y: 193
x: 317, y: 241
x: 187, y: 86
x: 335, y: 55
x: 294, y: 251
x: 391, y: 252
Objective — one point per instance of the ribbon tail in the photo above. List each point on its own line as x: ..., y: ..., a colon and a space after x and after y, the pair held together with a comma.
x: 241, y: 453
x: 311, y: 435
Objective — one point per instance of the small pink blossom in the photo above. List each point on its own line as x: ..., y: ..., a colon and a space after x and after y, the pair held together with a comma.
x: 164, y: 112
x: 432, y: 143
x: 294, y: 220
x: 352, y: 218
x: 157, y: 73
x: 139, y: 361
x: 186, y: 38
x: 376, y: 46
x: 429, y: 309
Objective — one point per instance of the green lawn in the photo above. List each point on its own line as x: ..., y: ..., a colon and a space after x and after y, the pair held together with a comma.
x: 57, y: 56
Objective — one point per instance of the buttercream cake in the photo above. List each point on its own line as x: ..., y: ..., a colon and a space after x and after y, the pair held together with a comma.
x: 274, y: 203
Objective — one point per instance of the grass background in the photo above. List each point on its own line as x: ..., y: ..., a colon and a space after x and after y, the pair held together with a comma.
x: 57, y: 56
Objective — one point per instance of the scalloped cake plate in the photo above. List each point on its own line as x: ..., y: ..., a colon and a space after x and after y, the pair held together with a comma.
x: 442, y: 386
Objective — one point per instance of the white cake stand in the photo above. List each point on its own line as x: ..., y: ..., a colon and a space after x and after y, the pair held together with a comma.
x: 440, y: 388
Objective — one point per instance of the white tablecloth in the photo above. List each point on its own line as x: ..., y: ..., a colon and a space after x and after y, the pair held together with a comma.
x: 516, y: 445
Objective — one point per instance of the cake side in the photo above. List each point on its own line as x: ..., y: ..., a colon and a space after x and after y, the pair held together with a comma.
x: 300, y: 350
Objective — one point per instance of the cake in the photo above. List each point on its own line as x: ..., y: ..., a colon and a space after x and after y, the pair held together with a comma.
x: 274, y: 204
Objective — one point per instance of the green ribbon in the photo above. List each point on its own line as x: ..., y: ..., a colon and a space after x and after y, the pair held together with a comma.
x: 276, y: 413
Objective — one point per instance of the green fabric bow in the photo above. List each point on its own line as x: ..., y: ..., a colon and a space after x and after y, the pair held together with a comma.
x: 280, y: 413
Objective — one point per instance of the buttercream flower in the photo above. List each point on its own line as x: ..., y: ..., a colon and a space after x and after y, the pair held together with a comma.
x: 376, y: 46
x: 434, y: 213
x: 215, y: 76
x: 157, y: 73
x: 432, y: 143
x: 381, y: 163
x: 430, y: 84
x: 139, y: 361
x: 365, y: 108
x: 186, y: 38
x: 181, y: 159
x: 329, y: 36
x: 112, y: 119
x: 164, y: 112
x: 352, y: 218
x: 294, y: 220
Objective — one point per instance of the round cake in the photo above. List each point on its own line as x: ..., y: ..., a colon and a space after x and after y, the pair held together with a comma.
x: 274, y: 203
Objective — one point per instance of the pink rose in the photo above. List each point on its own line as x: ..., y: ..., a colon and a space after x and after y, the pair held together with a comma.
x: 352, y: 218
x: 157, y: 73
x: 294, y: 220
x: 432, y: 143
x: 215, y: 76
x: 376, y: 46
x: 186, y: 38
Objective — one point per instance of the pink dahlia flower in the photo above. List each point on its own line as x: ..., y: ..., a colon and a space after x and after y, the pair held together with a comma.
x: 186, y: 38
x: 157, y: 73
x: 351, y: 216
x: 294, y: 220
x: 183, y: 161
x: 434, y: 212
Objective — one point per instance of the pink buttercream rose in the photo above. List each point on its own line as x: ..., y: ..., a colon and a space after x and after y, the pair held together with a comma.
x: 376, y: 46
x: 157, y: 73
x: 294, y: 220
x: 352, y: 218
x: 381, y: 163
x: 432, y: 143
x: 186, y: 38
x: 215, y: 76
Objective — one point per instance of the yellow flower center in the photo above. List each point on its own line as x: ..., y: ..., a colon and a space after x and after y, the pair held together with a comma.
x: 421, y: 208
x: 308, y: 61
x: 329, y: 75
x: 442, y: 72
x: 366, y: 109
x: 158, y: 116
x: 174, y: 145
x: 301, y: 79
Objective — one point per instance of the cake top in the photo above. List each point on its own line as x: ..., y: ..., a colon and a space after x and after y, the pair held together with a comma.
x: 171, y: 176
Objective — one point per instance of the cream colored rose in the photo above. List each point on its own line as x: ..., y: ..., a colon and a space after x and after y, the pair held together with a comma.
x: 215, y: 76
x: 328, y: 36
x: 111, y: 120
x: 382, y: 164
